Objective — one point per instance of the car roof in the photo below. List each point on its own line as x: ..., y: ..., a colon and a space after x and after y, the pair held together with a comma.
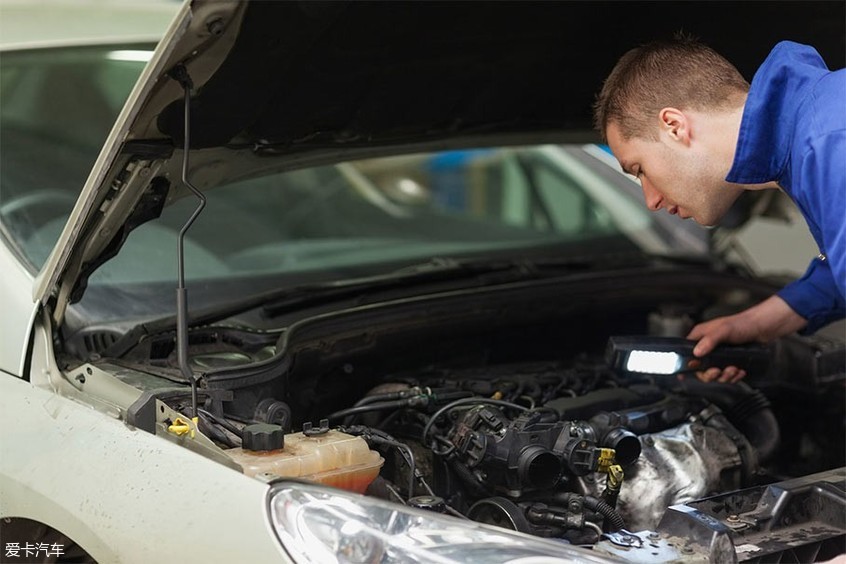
x: 44, y: 23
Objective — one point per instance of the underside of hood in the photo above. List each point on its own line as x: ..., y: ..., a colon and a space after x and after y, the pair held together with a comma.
x: 313, y: 81
x: 307, y: 75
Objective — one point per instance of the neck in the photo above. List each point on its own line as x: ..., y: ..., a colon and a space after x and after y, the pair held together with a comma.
x: 716, y: 133
x: 765, y: 186
x: 725, y: 133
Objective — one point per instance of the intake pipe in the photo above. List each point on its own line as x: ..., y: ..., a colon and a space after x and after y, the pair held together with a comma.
x: 748, y: 410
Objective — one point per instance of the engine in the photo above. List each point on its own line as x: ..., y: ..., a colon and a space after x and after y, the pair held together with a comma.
x: 503, y: 413
x: 558, y: 452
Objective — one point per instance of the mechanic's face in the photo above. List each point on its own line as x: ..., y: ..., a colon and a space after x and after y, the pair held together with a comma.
x: 676, y: 171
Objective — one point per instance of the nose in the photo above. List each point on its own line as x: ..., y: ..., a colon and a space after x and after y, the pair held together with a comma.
x: 651, y: 196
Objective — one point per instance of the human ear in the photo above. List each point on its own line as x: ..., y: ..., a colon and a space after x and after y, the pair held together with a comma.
x: 675, y: 124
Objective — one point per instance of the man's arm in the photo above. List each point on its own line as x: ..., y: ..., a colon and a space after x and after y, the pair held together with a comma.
x: 768, y: 320
x: 816, y: 295
x: 817, y: 298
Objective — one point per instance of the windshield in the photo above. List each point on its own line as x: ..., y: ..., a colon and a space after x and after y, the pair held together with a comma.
x: 331, y: 222
x: 372, y: 216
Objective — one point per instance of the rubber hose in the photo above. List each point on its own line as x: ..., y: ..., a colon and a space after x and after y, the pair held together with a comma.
x: 763, y: 432
x: 470, y: 482
x: 614, y: 519
x: 748, y: 409
x: 368, y: 408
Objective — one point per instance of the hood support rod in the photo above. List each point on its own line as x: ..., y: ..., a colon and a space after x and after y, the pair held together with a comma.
x: 181, y: 75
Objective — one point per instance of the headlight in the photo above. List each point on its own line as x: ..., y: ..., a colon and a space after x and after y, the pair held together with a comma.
x: 319, y: 524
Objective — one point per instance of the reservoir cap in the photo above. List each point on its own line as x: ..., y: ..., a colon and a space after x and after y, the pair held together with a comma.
x: 262, y: 437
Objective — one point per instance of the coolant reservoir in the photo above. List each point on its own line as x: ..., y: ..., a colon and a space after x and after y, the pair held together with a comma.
x: 332, y: 458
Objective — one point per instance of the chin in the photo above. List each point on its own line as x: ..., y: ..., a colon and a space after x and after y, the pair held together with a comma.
x: 709, y: 220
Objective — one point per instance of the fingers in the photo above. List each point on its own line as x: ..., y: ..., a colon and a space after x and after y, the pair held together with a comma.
x: 730, y: 374
x: 708, y: 334
x: 709, y: 375
x: 705, y: 345
x: 727, y: 375
x: 698, y: 331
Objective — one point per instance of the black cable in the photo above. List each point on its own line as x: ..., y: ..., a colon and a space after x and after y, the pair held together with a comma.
x: 212, y: 430
x: 396, y: 404
x: 387, y: 396
x: 450, y: 448
x: 465, y: 401
x: 611, y: 515
x: 381, y: 437
x: 383, y: 424
x: 409, y: 458
x: 223, y: 423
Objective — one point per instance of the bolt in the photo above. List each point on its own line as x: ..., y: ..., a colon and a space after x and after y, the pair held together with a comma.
x: 80, y: 378
x: 687, y: 550
x: 215, y: 26
x: 733, y: 519
x: 654, y: 536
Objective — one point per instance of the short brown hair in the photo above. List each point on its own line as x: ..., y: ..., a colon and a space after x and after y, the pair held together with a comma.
x: 681, y: 73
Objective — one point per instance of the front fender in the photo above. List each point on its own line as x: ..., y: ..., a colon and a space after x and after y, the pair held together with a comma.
x: 122, y: 494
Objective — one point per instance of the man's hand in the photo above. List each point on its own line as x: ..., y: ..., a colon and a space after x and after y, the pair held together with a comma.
x: 764, y: 322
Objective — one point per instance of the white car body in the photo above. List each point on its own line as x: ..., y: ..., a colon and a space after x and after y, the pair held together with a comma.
x: 76, y: 467
x: 69, y: 458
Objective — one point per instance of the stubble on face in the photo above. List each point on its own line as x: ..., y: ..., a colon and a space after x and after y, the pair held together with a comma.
x: 702, y: 183
x: 690, y: 182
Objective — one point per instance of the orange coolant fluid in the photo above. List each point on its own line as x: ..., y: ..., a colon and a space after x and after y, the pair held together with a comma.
x: 333, y: 458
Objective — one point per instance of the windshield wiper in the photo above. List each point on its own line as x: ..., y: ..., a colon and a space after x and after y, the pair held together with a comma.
x: 484, y: 271
x: 435, y: 270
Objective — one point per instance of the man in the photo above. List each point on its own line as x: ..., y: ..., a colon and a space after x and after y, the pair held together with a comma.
x: 682, y: 119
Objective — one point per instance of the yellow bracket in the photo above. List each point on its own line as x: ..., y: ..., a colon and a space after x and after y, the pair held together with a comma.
x: 607, y: 459
x: 181, y: 427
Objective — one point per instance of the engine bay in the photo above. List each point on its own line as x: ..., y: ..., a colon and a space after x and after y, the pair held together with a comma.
x: 500, y: 406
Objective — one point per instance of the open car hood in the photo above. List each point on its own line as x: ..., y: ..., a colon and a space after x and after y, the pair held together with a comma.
x: 286, y: 84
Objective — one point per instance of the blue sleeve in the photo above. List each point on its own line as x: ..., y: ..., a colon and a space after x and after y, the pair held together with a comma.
x: 815, y: 297
x: 819, y: 295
